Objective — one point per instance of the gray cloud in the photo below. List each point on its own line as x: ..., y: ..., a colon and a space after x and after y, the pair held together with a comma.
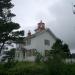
x: 57, y: 14
x: 65, y: 22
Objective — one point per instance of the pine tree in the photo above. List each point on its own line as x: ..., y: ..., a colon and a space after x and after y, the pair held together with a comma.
x: 60, y: 50
x: 7, y: 26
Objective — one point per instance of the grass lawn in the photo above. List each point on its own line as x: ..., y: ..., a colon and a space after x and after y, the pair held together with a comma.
x: 29, y: 68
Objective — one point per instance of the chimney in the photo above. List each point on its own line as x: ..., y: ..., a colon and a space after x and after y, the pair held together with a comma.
x: 29, y: 33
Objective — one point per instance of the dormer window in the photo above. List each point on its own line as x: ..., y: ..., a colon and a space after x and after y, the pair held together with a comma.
x: 47, y: 42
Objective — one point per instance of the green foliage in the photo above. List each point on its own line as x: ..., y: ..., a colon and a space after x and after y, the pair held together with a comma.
x: 60, y: 50
x: 66, y: 50
x: 38, y: 57
x: 6, y: 25
x: 18, y: 33
x: 9, y: 56
x: 22, y: 68
x: 29, y: 68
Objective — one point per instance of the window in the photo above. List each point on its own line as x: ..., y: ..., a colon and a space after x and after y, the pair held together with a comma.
x: 46, y: 52
x: 23, y: 51
x: 47, y: 42
x: 31, y: 52
x: 18, y: 55
x: 28, y: 42
x: 28, y: 53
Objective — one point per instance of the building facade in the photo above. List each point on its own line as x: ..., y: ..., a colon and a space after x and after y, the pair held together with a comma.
x: 41, y: 41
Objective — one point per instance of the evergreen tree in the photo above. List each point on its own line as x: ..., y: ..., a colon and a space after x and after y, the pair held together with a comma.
x: 60, y: 50
x: 6, y: 25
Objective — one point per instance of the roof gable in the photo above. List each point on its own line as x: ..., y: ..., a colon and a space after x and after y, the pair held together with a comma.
x: 51, y: 33
x: 40, y: 33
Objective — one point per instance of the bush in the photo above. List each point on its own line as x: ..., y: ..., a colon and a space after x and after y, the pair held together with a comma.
x: 38, y: 58
x: 51, y: 68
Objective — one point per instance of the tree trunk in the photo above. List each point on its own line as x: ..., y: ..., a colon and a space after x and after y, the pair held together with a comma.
x: 2, y: 47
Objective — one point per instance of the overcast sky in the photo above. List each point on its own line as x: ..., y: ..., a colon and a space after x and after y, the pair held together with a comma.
x: 57, y: 14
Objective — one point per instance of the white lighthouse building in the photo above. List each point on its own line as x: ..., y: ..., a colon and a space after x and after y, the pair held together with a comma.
x: 41, y: 41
